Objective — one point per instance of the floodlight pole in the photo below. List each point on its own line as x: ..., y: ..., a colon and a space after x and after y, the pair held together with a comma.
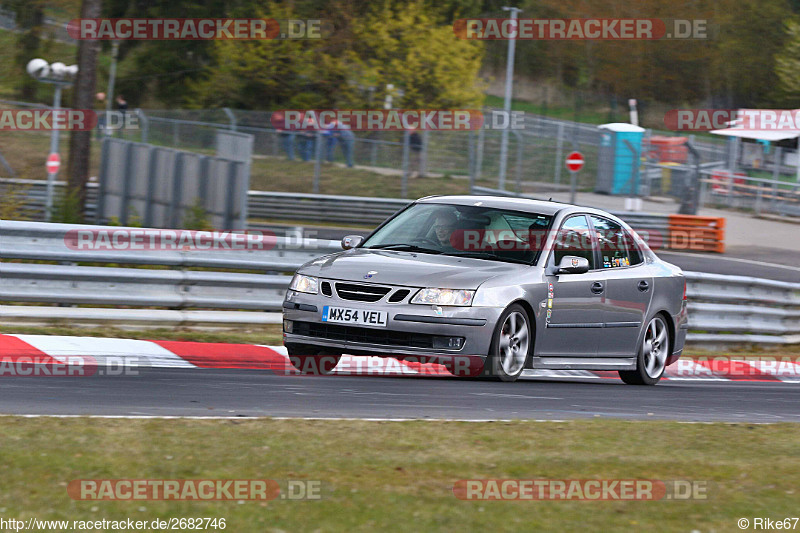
x: 512, y: 44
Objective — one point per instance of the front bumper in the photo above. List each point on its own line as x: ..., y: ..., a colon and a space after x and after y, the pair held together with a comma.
x: 411, y: 329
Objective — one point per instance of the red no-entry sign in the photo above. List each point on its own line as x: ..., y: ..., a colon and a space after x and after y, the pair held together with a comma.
x: 53, y: 163
x: 575, y: 161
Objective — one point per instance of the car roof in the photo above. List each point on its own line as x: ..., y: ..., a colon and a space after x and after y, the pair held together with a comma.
x: 542, y: 207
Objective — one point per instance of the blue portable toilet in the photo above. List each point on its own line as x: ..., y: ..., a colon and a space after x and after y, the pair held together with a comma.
x: 617, y: 165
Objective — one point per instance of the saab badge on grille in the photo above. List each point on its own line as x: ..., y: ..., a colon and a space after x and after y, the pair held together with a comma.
x: 369, y: 274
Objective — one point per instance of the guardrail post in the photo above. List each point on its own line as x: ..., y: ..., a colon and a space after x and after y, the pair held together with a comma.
x: 774, y: 196
x: 759, y: 188
x: 317, y: 161
x: 471, y: 159
x: 406, y: 147
x: 144, y: 124
x: 423, y: 156
x: 479, y: 157
x: 126, y: 183
x: 177, y: 190
x: 152, y: 166
x: 101, y: 185
x: 518, y: 171
x: 231, y: 118
x: 559, y: 150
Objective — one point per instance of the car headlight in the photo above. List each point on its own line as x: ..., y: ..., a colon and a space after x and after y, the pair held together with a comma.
x: 443, y: 297
x: 301, y: 283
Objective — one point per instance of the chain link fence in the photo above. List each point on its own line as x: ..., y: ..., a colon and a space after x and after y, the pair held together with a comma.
x: 688, y: 168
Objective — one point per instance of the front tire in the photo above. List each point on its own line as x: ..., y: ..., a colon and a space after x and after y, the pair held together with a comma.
x: 653, y: 353
x: 511, y: 343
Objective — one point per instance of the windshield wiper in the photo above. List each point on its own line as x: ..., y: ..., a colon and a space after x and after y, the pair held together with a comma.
x: 489, y: 255
x: 403, y: 248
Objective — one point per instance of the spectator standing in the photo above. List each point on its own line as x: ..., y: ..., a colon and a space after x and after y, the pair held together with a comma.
x: 100, y: 107
x: 308, y: 138
x: 122, y: 108
x: 348, y: 139
x: 415, y: 144
x: 286, y: 137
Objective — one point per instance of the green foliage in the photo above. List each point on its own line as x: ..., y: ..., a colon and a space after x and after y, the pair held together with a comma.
x: 404, y: 46
x: 196, y: 217
x: 787, y: 66
x: 68, y: 208
x: 12, y: 202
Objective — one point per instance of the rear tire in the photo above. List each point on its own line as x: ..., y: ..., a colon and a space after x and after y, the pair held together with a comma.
x: 511, y: 345
x: 653, y: 353
x: 312, y: 361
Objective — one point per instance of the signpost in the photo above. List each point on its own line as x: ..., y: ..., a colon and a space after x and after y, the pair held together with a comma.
x: 574, y: 162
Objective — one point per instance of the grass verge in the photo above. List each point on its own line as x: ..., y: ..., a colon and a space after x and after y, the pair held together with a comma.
x: 397, y: 476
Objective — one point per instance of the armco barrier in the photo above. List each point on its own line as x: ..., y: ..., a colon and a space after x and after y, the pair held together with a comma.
x: 722, y: 309
x: 695, y: 233
x: 677, y: 232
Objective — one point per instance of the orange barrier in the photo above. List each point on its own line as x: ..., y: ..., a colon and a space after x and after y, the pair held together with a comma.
x: 699, y: 234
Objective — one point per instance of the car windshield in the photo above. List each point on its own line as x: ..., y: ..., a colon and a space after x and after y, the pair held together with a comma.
x: 464, y: 231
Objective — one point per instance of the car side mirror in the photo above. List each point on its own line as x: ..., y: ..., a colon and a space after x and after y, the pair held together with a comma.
x: 351, y: 241
x: 572, y: 264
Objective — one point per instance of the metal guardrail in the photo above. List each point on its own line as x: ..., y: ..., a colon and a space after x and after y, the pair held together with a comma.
x: 289, y: 206
x: 722, y: 309
x: 283, y: 206
x: 344, y: 210
x: 636, y: 219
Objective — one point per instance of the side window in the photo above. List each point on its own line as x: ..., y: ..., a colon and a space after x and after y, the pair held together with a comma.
x: 617, y: 247
x: 574, y: 238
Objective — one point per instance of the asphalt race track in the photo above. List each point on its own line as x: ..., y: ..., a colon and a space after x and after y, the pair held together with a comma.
x: 260, y: 393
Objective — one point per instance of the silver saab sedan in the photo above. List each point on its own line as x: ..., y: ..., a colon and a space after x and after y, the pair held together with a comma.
x: 514, y: 283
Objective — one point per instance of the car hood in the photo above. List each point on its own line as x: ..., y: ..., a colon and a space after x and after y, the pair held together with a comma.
x: 410, y: 269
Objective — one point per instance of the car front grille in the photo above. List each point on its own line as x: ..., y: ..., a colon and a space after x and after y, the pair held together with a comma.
x: 398, y: 296
x: 361, y: 292
x: 326, y: 288
x: 363, y: 335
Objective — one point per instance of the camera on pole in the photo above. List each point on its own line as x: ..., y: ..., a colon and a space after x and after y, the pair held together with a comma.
x: 61, y: 76
x: 57, y: 72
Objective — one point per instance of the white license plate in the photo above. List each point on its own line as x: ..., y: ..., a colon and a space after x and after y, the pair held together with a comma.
x: 359, y: 317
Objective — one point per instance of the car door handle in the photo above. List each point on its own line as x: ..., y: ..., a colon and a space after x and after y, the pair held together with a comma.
x: 643, y: 286
x: 597, y: 287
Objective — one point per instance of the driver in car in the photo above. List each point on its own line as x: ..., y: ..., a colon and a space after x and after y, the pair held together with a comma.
x: 443, y: 227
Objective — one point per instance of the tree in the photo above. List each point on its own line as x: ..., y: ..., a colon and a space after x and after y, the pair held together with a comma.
x: 403, y: 45
x: 30, y: 17
x: 787, y: 66
x: 392, y: 43
x: 80, y: 141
